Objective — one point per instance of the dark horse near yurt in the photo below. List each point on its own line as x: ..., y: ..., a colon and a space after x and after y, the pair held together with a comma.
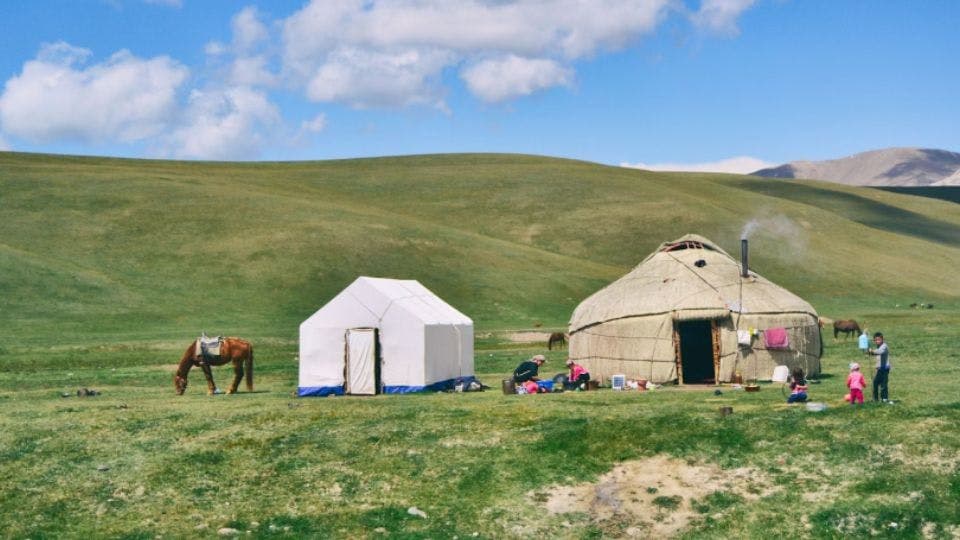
x: 557, y: 338
x: 847, y: 327
x: 231, y: 350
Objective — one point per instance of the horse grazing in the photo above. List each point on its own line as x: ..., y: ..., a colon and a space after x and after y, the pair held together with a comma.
x: 847, y: 327
x: 236, y: 350
x: 558, y: 338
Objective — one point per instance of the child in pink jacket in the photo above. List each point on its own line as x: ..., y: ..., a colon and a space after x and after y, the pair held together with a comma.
x: 856, y: 384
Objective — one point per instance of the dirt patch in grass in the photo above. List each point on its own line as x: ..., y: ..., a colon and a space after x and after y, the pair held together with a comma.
x: 528, y: 337
x: 655, y: 497
x: 933, y: 456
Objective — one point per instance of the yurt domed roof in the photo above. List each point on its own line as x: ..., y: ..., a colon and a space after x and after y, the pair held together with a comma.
x: 692, y: 278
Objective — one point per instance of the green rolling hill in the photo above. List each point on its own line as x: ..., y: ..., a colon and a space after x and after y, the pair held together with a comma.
x: 96, y: 249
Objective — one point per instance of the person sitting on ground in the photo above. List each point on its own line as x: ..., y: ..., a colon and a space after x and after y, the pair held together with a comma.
x: 578, y: 376
x: 798, y: 387
x: 529, y: 370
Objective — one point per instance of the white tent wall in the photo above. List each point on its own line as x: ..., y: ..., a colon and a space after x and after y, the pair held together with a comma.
x: 403, y: 346
x: 322, y: 341
x: 412, y: 358
x: 448, y: 341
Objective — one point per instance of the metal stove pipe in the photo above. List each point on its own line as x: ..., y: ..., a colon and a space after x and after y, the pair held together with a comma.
x: 744, y: 266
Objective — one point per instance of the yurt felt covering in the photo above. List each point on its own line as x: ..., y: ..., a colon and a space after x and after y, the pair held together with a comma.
x: 642, y: 324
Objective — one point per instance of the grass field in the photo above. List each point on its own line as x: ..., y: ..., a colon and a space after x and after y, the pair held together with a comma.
x: 137, y: 462
x: 108, y: 268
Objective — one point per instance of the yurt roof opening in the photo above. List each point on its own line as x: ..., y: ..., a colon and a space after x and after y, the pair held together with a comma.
x: 690, y: 313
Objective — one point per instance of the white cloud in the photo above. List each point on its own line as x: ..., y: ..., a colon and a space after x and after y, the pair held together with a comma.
x: 512, y: 76
x: 721, y: 15
x: 123, y: 99
x: 4, y: 146
x: 248, y: 31
x: 62, y: 53
x: 224, y: 124
x: 413, y: 41
x: 243, y: 62
x: 574, y: 28
x: 736, y: 165
x: 368, y: 78
x: 215, y: 48
x: 316, y: 125
x: 251, y: 71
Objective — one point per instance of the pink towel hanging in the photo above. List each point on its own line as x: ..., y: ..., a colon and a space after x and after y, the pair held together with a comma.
x: 776, y: 338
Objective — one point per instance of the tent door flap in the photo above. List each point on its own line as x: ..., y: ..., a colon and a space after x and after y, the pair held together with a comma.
x: 697, y: 351
x: 362, y: 367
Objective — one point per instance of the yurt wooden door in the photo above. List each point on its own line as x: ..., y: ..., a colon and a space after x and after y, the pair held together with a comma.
x: 697, y: 351
x: 362, y: 369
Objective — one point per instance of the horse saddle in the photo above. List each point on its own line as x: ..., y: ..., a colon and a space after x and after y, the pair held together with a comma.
x: 208, y: 348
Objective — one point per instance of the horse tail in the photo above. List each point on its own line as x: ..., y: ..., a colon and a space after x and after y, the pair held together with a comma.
x: 248, y: 369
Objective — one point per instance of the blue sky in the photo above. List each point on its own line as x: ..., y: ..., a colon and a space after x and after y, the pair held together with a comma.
x: 683, y: 84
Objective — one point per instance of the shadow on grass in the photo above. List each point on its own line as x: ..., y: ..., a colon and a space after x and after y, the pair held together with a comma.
x: 867, y: 212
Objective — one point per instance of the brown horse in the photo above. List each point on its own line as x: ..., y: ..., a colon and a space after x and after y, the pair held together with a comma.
x: 557, y: 338
x: 847, y: 327
x: 235, y: 350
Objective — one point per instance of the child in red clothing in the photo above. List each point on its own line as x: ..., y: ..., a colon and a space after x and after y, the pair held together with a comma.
x: 856, y: 384
x: 578, y: 377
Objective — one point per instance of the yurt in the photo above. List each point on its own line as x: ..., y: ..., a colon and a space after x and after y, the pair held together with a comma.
x: 690, y: 313
x: 384, y: 336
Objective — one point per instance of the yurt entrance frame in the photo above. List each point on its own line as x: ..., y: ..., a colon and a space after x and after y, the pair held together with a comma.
x: 362, y: 362
x: 690, y: 328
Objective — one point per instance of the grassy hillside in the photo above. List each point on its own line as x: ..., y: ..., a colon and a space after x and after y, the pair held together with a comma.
x: 946, y: 193
x: 109, y: 249
x: 109, y: 267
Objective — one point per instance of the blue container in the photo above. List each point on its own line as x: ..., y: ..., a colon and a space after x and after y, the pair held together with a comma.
x: 546, y: 385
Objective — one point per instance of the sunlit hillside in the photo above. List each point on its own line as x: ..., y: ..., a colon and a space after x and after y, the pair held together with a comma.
x: 129, y: 249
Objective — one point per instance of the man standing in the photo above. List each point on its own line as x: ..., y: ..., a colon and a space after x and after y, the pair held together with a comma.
x: 881, y: 377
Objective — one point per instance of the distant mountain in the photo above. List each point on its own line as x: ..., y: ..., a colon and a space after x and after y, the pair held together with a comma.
x: 888, y: 167
x: 952, y: 180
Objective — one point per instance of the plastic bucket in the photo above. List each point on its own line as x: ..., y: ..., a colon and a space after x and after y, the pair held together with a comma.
x: 780, y: 374
x: 509, y: 387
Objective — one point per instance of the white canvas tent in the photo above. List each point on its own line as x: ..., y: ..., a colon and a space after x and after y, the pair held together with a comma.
x: 688, y: 314
x: 384, y: 336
